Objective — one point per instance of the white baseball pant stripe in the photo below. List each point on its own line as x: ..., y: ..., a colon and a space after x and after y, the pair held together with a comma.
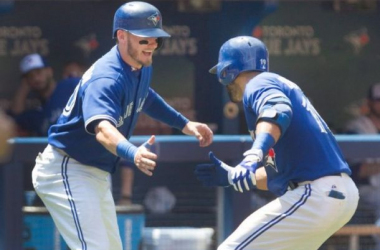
x: 277, y: 219
x: 73, y: 209
x: 79, y: 199
x: 303, y: 218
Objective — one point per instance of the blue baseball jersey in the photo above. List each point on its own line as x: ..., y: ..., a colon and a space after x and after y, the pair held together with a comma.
x: 109, y: 90
x: 307, y: 150
x: 38, y: 121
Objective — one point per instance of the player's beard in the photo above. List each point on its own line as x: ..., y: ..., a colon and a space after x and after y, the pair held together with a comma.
x: 234, y: 93
x: 134, y: 54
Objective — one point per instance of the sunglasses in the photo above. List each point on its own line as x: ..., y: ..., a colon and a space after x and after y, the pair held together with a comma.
x: 145, y: 42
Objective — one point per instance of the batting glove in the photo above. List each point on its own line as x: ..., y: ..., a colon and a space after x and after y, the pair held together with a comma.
x: 253, y: 160
x: 220, y: 174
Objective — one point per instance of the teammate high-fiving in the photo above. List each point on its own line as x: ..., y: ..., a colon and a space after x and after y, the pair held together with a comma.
x: 72, y: 175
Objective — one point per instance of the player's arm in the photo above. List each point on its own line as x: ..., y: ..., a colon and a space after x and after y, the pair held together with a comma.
x: 274, y: 118
x: 101, y: 111
x: 261, y: 179
x: 157, y: 108
x: 107, y: 135
x: 264, y: 129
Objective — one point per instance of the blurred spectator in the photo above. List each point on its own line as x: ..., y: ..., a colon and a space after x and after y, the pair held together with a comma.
x: 7, y: 131
x: 367, y: 173
x: 368, y: 122
x: 37, y: 83
x: 73, y: 69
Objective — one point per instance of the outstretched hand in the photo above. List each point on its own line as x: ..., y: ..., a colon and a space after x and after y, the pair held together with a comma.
x: 220, y: 174
x: 201, y: 131
x: 144, y: 159
x: 213, y: 174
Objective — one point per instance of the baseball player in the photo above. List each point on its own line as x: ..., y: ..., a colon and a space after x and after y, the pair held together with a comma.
x: 72, y: 175
x: 294, y: 155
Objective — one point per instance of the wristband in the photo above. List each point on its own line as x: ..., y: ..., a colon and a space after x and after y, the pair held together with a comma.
x: 264, y: 142
x: 126, y: 150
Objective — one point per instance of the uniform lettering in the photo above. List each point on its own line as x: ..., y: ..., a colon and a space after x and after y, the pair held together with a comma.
x: 128, y: 111
x: 141, y: 105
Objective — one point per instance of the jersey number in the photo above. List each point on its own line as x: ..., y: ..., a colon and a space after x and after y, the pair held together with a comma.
x: 306, y: 103
x: 70, y: 104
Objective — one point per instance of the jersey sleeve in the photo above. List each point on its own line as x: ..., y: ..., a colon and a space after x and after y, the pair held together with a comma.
x: 149, y: 99
x: 156, y: 107
x: 102, y: 101
x: 257, y: 95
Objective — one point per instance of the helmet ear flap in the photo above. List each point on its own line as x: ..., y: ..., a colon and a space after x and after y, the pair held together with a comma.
x: 227, y: 74
x: 223, y: 73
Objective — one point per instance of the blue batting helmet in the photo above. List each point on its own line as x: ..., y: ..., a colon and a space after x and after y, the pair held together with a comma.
x: 139, y: 18
x: 239, y: 54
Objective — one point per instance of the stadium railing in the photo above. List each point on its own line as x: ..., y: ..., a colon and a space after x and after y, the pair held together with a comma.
x: 171, y: 149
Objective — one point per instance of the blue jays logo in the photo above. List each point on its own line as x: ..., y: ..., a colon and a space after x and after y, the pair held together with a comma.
x: 358, y: 39
x: 87, y: 44
x: 155, y: 18
x: 270, y: 160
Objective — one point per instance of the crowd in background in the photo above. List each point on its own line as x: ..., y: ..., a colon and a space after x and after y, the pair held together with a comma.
x: 40, y: 99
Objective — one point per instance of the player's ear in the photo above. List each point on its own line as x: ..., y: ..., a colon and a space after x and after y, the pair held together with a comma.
x: 121, y: 35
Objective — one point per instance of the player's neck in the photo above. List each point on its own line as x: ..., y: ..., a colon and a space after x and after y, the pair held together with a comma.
x: 247, y: 76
